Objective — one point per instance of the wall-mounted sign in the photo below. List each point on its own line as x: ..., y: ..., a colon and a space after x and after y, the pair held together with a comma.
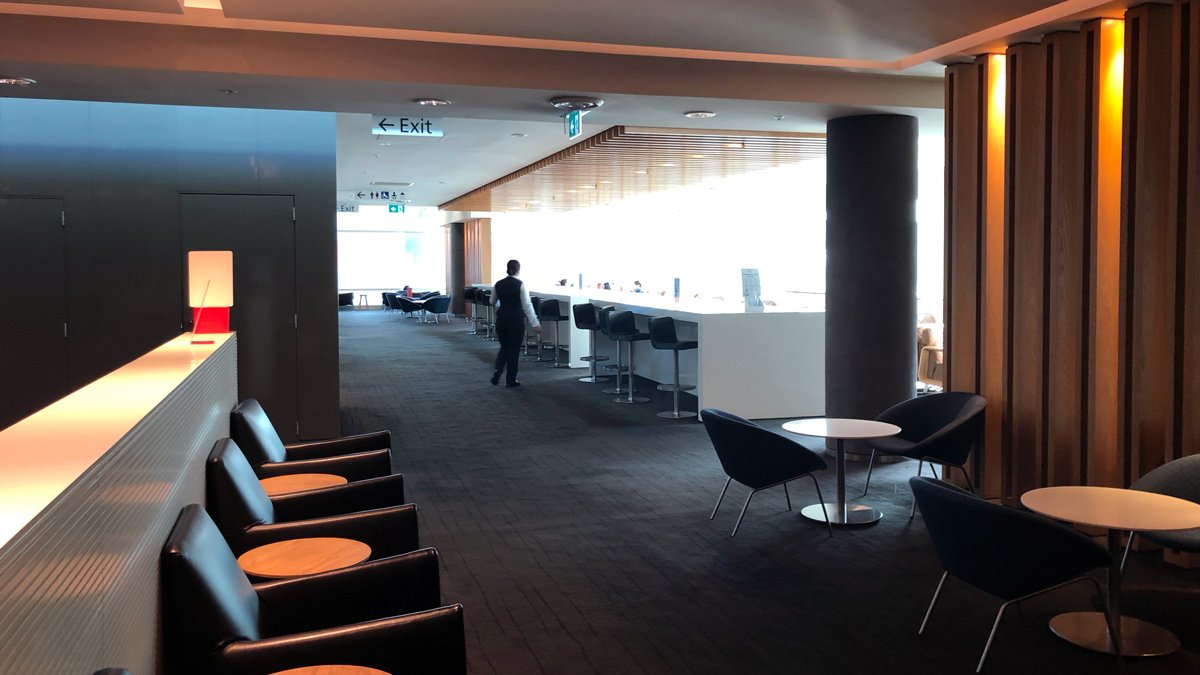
x: 347, y: 207
x: 751, y: 287
x: 417, y: 127
x: 395, y: 208
x: 574, y: 123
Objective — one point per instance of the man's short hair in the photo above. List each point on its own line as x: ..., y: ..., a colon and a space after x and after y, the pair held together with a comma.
x: 514, y: 267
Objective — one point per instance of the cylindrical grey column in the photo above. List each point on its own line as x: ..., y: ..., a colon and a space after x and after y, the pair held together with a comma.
x: 870, y: 265
x: 456, y: 268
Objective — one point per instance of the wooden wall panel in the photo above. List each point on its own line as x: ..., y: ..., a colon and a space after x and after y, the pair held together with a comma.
x: 1026, y: 214
x: 477, y: 246
x: 1069, y: 192
x: 1148, y: 247
x: 1188, y: 48
x: 963, y: 289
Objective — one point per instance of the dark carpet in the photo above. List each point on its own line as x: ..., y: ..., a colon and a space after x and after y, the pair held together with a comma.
x: 575, y: 531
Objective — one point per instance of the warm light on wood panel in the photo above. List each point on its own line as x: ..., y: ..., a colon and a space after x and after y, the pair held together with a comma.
x: 1188, y: 16
x: 993, y: 348
x: 1108, y: 52
x: 477, y: 250
x: 623, y: 162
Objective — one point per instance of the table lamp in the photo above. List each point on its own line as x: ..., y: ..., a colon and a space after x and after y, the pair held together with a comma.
x: 210, y: 292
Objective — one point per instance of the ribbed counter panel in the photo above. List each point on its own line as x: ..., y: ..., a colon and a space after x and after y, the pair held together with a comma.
x: 79, y: 580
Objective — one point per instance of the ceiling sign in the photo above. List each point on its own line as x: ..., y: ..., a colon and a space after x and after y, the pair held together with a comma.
x: 417, y: 127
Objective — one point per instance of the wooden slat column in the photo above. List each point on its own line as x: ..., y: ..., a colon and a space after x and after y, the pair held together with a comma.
x: 1026, y: 255
x: 1149, y: 255
x: 1187, y: 46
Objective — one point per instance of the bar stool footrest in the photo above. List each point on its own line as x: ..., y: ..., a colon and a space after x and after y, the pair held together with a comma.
x: 671, y: 387
x: 673, y: 415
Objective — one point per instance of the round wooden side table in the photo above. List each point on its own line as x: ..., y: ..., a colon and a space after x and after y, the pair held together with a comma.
x: 299, y: 482
x: 332, y: 670
x: 298, y: 557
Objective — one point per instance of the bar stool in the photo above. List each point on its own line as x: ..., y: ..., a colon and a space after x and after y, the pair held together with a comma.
x: 534, y: 340
x: 489, y: 324
x: 469, y: 299
x: 623, y: 328
x: 618, y: 367
x: 587, y: 319
x: 662, y: 336
x: 549, y: 312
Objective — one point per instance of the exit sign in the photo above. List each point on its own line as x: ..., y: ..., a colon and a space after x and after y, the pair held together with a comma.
x: 395, y: 208
x: 574, y: 123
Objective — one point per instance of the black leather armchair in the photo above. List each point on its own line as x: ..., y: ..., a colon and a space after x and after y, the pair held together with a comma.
x: 385, y: 614
x: 352, y: 457
x: 758, y: 458
x: 936, y: 428
x: 1013, y: 555
x: 249, y: 518
x: 437, y: 305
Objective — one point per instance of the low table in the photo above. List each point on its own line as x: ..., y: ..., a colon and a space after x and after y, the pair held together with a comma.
x: 1119, y: 511
x: 299, y: 482
x: 298, y: 557
x: 840, y: 429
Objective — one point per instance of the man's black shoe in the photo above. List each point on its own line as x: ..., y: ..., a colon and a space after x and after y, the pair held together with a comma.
x: 510, y: 385
x: 496, y: 378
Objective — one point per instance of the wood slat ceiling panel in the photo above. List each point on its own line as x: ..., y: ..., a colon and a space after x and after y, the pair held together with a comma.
x: 623, y: 162
x: 160, y: 6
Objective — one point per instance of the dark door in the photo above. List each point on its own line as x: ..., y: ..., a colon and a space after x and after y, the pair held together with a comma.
x: 261, y: 232
x: 33, y: 305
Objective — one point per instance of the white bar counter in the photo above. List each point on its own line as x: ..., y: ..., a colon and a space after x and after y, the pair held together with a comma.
x: 89, y: 488
x: 757, y: 364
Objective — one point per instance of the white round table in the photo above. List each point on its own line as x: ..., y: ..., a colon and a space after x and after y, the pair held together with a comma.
x: 839, y: 429
x: 1119, y: 511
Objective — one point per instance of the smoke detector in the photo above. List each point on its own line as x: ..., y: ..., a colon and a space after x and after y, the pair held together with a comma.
x: 576, y: 102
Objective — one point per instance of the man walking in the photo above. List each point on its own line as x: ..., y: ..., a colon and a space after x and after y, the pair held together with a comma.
x: 513, y: 306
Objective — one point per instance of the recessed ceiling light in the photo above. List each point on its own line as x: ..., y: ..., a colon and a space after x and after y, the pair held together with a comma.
x: 431, y: 101
x: 779, y: 118
x: 576, y: 102
x: 697, y: 156
x: 229, y: 92
x: 17, y: 81
x: 667, y: 166
x: 518, y: 135
x: 641, y: 172
x: 571, y: 192
x: 699, y: 114
x: 588, y: 187
x: 604, y: 182
x: 735, y: 146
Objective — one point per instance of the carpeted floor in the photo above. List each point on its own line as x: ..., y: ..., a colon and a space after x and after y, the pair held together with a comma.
x: 575, y: 531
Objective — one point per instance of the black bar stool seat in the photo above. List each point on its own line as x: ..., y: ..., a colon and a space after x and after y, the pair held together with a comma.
x: 618, y: 367
x: 662, y: 336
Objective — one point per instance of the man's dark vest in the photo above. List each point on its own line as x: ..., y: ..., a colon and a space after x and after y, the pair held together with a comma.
x: 508, y: 291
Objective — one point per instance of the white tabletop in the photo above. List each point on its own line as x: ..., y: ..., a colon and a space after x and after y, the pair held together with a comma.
x: 1113, y: 508
x: 835, y: 427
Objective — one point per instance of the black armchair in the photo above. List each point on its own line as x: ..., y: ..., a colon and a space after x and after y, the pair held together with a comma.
x: 1177, y: 478
x: 352, y: 457
x: 758, y: 458
x: 936, y: 428
x: 345, y: 299
x: 1013, y: 555
x: 409, y: 307
x: 384, y: 614
x: 436, y: 305
x: 370, y: 511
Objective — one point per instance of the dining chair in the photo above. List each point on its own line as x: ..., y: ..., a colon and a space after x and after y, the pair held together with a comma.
x: 759, y: 459
x: 352, y: 457
x: 1011, y: 554
x: 936, y: 428
x: 386, y: 614
x: 1177, y: 478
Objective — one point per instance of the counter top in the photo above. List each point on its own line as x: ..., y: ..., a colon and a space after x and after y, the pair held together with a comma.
x: 43, y: 454
x: 684, y: 309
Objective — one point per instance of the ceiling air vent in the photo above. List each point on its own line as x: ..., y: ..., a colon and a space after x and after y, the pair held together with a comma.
x: 389, y: 183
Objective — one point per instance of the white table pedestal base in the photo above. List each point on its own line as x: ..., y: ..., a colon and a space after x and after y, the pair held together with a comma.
x: 853, y: 514
x: 1090, y: 631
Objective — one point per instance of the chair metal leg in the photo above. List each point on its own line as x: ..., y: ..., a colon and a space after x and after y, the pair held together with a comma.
x: 992, y: 635
x: 970, y: 485
x: 1128, y: 545
x: 913, y: 511
x: 714, y: 513
x: 743, y: 513
x: 870, y: 468
x: 929, y: 612
x: 821, y: 501
x: 787, y: 497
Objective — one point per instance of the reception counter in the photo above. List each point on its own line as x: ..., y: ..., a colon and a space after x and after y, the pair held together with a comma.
x: 89, y: 488
x: 757, y: 364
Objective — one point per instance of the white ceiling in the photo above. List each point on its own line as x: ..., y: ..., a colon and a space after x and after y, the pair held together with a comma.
x: 499, y: 61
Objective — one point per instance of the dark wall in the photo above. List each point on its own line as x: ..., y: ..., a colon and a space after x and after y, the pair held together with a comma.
x: 120, y: 169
